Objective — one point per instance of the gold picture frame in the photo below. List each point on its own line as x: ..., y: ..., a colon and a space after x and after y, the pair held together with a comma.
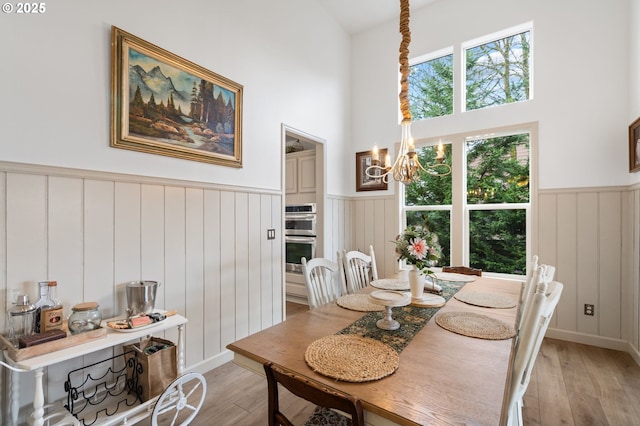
x: 364, y: 159
x: 634, y: 146
x: 166, y: 105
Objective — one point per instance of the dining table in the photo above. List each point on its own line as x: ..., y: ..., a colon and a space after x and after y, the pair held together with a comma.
x: 442, y: 378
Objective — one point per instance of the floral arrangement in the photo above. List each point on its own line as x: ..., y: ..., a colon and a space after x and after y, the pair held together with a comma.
x: 419, y: 247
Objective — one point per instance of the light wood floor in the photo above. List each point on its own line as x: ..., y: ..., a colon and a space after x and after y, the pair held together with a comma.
x: 571, y: 384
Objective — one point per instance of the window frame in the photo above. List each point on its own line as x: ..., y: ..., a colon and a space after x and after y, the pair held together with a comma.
x: 498, y: 35
x: 430, y: 57
x: 460, y: 209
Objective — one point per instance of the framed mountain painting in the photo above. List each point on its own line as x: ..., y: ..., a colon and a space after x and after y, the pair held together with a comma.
x: 163, y: 104
x: 634, y: 146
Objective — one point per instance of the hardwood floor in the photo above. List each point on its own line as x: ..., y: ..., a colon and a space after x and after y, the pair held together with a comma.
x: 571, y: 384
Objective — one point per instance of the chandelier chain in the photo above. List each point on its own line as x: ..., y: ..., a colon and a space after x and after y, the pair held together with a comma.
x: 406, y: 168
x: 404, y: 60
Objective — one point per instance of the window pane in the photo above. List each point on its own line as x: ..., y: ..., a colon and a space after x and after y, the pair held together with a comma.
x: 498, y: 170
x: 431, y: 88
x: 438, y: 222
x: 498, y: 240
x: 430, y: 190
x: 498, y: 72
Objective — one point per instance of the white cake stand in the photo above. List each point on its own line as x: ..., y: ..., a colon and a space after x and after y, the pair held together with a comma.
x: 389, y: 299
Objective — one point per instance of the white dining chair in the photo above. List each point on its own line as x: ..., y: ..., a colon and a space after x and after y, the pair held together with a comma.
x: 319, y: 274
x: 360, y: 269
x: 550, y: 273
x: 531, y: 273
x: 530, y: 336
x: 535, y: 276
x: 341, y: 272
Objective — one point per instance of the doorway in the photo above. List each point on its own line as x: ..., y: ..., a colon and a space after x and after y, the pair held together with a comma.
x: 303, y: 181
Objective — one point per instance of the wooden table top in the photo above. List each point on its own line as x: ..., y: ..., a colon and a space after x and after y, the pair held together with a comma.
x: 443, y: 377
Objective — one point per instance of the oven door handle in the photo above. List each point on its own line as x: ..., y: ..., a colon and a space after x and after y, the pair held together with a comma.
x: 294, y: 239
x: 298, y: 216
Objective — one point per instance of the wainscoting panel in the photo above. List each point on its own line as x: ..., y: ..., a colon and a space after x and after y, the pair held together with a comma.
x: 589, y: 228
x: 611, y: 264
x: 634, y: 267
x: 375, y: 224
x: 339, y: 223
x: 93, y: 232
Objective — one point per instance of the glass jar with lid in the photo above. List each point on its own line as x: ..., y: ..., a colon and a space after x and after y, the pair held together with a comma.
x: 84, y: 317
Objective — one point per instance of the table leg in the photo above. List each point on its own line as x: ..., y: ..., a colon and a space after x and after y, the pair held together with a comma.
x: 38, y: 401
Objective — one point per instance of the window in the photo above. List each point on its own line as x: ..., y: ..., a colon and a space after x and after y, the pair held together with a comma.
x: 429, y: 200
x: 497, y: 200
x: 486, y: 200
x: 431, y: 87
x: 492, y: 205
x: 498, y: 72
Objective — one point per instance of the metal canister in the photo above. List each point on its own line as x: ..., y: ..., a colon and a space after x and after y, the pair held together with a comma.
x: 141, y: 296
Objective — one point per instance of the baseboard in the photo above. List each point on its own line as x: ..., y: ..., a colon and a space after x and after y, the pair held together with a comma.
x: 589, y: 339
x: 211, y: 363
x: 297, y: 299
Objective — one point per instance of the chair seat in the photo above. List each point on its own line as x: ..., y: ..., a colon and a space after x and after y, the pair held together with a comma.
x: 322, y: 416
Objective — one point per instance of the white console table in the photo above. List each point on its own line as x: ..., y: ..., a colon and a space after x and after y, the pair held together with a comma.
x: 112, y: 338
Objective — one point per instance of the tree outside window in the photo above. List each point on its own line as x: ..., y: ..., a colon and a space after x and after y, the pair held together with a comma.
x: 498, y: 175
x: 496, y: 202
x: 498, y: 72
x: 431, y: 88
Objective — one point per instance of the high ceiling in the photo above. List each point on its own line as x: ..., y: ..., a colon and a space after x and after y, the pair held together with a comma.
x: 360, y: 15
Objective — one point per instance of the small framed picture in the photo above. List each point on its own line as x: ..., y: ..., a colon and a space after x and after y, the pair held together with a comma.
x: 364, y: 160
x: 634, y: 146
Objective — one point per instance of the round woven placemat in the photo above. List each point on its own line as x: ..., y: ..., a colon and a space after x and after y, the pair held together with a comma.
x: 475, y: 325
x: 358, y: 302
x: 351, y: 358
x: 486, y: 300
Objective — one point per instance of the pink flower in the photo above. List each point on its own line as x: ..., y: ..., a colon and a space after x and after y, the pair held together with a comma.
x: 418, y: 248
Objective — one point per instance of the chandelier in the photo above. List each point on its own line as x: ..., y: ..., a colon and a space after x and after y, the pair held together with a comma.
x: 406, y: 168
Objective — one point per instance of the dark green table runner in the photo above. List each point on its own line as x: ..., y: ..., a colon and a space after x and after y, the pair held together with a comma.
x: 411, y: 319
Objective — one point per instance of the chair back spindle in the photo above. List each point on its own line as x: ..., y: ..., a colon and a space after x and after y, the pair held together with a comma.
x: 319, y: 280
x: 360, y: 269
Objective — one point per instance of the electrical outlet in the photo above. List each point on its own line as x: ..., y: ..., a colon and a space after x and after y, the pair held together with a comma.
x: 271, y: 234
x: 589, y: 309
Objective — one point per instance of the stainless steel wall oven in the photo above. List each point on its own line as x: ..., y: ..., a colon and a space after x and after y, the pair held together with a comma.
x: 300, y: 235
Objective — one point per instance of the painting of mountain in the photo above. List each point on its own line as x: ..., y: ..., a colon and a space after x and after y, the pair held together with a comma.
x: 174, y: 107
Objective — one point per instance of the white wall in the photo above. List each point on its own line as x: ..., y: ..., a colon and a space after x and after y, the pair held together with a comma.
x: 581, y: 74
x: 291, y: 58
